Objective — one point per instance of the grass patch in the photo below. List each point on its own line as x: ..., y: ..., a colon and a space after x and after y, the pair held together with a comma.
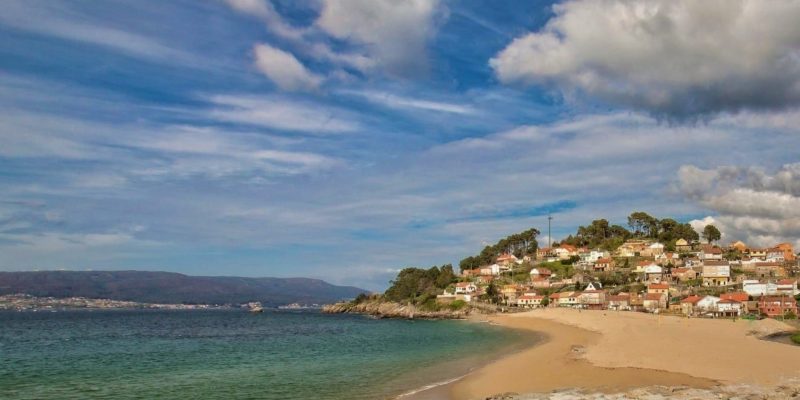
x: 796, y: 338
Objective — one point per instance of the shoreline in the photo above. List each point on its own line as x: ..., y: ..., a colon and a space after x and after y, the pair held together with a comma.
x: 609, y: 352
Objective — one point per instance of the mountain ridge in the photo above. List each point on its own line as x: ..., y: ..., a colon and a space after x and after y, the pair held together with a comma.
x: 173, y: 287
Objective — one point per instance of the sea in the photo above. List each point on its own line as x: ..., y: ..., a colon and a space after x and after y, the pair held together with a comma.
x: 232, y: 354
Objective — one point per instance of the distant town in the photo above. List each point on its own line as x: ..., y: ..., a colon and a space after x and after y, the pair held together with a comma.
x: 676, y: 276
x: 25, y: 302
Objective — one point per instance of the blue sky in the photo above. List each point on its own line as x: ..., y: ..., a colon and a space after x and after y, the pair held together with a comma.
x: 347, y: 139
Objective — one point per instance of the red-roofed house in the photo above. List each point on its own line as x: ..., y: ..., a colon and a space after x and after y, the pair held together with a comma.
x: 683, y: 274
x: 729, y: 308
x: 655, y: 301
x: 737, y: 296
x: 688, y: 304
x: 660, y: 288
x: 621, y: 302
x: 507, y: 259
x: 788, y: 287
x: 465, y: 288
x: 540, y: 273
x: 604, y: 264
x: 776, y: 306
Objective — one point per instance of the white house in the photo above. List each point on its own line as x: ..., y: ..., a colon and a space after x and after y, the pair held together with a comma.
x: 707, y: 304
x: 494, y: 269
x: 709, y: 252
x: 593, y: 256
x: 653, y: 273
x: 787, y: 286
x: 729, y: 307
x: 465, y: 288
x: 594, y: 286
x: 757, y: 289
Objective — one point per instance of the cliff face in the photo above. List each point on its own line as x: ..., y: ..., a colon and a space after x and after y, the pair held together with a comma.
x: 386, y: 309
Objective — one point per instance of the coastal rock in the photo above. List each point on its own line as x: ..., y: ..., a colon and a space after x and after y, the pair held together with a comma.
x: 387, y: 309
x: 734, y: 392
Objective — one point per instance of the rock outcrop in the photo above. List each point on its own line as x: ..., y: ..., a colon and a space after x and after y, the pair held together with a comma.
x: 387, y: 309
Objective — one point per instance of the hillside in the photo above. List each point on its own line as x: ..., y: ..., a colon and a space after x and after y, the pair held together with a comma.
x: 169, y: 287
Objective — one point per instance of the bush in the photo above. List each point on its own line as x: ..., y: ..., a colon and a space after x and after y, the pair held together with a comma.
x: 457, y: 305
x: 796, y: 338
x: 789, y: 315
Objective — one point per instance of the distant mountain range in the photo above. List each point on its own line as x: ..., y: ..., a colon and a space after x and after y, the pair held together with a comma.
x: 174, y: 288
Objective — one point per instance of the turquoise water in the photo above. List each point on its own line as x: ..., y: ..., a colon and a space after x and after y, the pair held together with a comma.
x: 233, y: 354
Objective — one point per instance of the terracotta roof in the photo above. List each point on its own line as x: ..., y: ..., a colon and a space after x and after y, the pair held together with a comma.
x: 658, y: 286
x: 729, y: 301
x: 463, y: 284
x: 787, y: 282
x: 737, y: 296
x: 692, y: 299
x: 526, y: 297
x: 654, y: 296
x: 604, y: 260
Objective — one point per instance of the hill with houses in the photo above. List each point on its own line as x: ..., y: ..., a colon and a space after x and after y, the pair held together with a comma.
x: 658, y: 266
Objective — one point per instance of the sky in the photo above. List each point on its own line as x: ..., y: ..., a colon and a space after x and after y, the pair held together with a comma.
x: 347, y: 139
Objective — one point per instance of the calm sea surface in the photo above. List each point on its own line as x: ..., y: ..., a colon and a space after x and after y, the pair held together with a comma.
x: 233, y: 354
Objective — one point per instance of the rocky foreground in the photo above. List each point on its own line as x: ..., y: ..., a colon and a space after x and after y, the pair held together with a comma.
x: 387, y: 309
x: 736, y: 392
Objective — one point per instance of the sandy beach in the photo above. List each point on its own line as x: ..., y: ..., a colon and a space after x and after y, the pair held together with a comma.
x: 611, y: 351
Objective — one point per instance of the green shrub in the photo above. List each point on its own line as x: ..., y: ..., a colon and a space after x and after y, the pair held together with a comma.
x: 457, y: 305
x: 796, y: 338
x: 789, y: 315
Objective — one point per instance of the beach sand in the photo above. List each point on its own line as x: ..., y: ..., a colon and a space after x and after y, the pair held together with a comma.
x: 612, y: 351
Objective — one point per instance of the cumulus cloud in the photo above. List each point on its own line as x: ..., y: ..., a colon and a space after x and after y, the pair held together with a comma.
x: 752, y: 204
x: 395, y: 32
x: 284, y: 69
x: 677, y: 59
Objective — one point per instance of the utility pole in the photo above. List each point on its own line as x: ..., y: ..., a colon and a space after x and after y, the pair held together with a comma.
x: 549, y: 236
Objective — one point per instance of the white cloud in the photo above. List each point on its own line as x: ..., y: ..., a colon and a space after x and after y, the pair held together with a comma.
x: 395, y: 32
x: 50, y: 18
x: 284, y: 69
x: 401, y: 102
x: 674, y: 58
x: 282, y: 113
x: 751, y: 204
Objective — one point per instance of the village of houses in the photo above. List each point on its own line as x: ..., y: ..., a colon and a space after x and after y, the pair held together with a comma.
x: 699, y: 280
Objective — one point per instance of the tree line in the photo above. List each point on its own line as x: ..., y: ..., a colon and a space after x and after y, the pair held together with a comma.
x: 518, y: 244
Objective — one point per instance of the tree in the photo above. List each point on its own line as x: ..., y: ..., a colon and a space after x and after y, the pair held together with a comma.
x: 711, y: 233
x: 643, y: 223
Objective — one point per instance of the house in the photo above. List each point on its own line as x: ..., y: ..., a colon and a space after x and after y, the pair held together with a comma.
x: 738, y: 246
x: 653, y: 250
x: 540, y: 273
x: 777, y: 306
x: 788, y: 251
x: 660, y: 288
x: 594, y: 286
x: 689, y: 305
x: 508, y: 260
x: 632, y: 248
x: 547, y: 254
x: 530, y: 301
x: 565, y: 251
x: 760, y: 254
x: 484, y: 279
x: 509, y: 292
x: 787, y: 287
x: 682, y: 246
x: 636, y: 302
x: 668, y: 258
x: 683, y: 274
x: 604, y: 264
x: 593, y: 299
x: 716, y: 273
x: 755, y: 288
x: 707, y: 304
x: 655, y: 301
x: 770, y: 269
x: 729, y: 308
x: 540, y: 283
x: 465, y: 288
x: 591, y: 257
x: 567, y: 299
x: 775, y: 255
x: 653, y: 273
x: 738, y: 296
x: 710, y: 252
x: 620, y: 302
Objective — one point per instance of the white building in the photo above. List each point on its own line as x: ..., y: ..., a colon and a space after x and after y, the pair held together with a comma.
x: 707, y: 304
x: 465, y: 288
